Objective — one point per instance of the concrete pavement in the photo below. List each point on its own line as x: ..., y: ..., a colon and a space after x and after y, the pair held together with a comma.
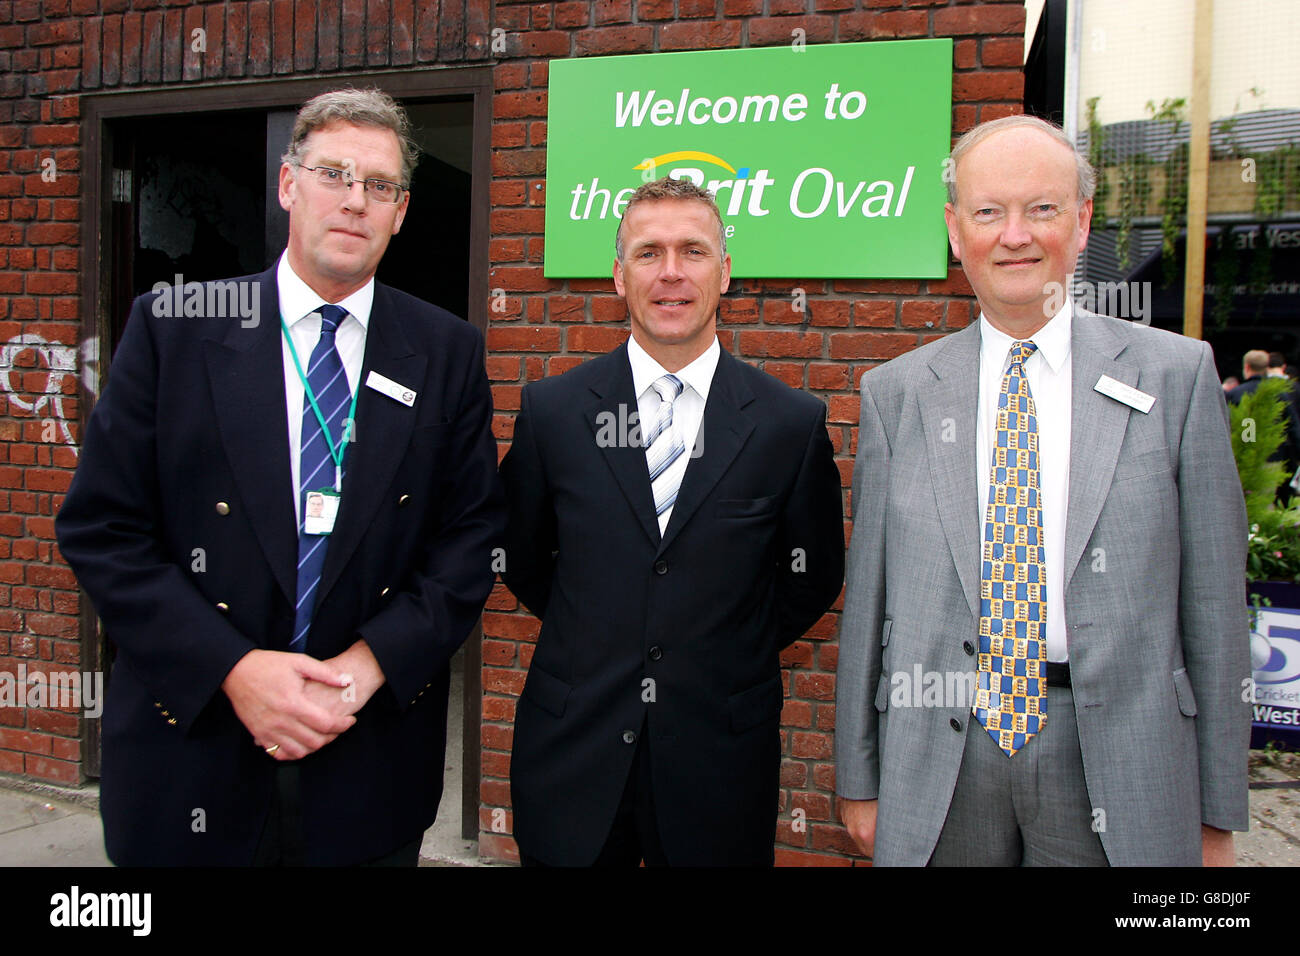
x: 54, y: 826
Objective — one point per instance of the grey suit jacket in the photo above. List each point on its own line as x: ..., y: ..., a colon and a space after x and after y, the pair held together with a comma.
x: 1154, y: 593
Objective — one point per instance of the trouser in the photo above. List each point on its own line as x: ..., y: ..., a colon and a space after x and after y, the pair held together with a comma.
x: 634, y: 835
x: 282, y: 842
x: 1031, y: 809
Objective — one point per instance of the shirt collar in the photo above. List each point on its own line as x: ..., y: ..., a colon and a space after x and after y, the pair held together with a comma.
x: 297, y: 300
x: 646, y: 371
x: 1053, y: 339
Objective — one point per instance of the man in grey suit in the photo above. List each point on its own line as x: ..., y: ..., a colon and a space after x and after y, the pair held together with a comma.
x: 1044, y: 656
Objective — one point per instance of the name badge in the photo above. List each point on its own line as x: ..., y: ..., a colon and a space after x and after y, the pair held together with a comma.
x: 322, y: 509
x: 1126, y: 394
x: 394, y: 390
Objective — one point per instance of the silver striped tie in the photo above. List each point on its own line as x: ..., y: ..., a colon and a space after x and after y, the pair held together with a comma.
x: 664, y: 446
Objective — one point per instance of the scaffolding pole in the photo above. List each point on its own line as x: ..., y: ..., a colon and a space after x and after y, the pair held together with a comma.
x: 1198, y: 172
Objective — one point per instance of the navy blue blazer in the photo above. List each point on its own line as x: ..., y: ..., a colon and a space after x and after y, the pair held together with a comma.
x: 678, y: 634
x: 179, y: 525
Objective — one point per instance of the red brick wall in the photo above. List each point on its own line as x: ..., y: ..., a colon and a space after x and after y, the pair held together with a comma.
x: 50, y: 52
x: 549, y: 326
x: 53, y: 50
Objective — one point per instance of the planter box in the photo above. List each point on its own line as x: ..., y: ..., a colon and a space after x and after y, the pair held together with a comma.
x: 1275, y: 665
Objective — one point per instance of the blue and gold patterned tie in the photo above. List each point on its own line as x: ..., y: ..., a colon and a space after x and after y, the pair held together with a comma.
x: 1011, y: 688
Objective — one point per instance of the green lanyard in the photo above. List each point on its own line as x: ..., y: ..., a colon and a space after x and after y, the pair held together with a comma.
x: 336, y: 451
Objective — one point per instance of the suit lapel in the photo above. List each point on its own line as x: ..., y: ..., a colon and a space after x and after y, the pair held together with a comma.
x: 1097, y: 426
x: 246, y: 377
x: 614, y: 401
x: 948, y: 419
x: 382, y: 433
x: 724, y: 430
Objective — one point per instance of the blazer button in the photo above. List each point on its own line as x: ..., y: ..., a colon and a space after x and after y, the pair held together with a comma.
x: 401, y: 502
x: 172, y: 721
x: 955, y: 724
x: 629, y: 737
x: 968, y: 647
x: 656, y: 653
x: 223, y: 509
x: 223, y: 607
x: 383, y: 593
x: 661, y: 567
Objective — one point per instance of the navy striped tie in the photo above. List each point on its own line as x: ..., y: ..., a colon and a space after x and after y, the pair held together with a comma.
x: 316, y: 465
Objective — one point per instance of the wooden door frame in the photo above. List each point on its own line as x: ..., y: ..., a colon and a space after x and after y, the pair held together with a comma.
x: 98, y: 110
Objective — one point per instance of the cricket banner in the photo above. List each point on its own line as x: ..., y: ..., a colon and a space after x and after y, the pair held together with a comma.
x: 1275, y: 667
x: 826, y: 161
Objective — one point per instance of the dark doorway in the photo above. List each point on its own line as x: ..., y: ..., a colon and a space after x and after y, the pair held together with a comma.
x: 188, y: 203
x: 198, y: 199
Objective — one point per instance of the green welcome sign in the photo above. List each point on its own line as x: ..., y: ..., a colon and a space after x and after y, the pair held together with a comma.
x: 826, y: 161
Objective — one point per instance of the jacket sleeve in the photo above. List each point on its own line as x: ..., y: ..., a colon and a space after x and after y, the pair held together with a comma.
x: 1212, y: 600
x: 531, y: 535
x: 109, y: 532
x: 857, y: 750
x: 810, y: 551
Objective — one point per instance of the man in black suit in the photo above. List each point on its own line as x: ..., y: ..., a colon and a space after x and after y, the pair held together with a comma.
x: 675, y: 520
x: 284, y: 514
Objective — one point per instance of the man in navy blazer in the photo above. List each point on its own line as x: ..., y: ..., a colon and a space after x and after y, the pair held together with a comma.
x: 675, y: 520
x: 231, y: 735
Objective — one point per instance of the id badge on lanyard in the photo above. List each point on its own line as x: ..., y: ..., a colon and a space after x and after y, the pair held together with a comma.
x: 321, y: 507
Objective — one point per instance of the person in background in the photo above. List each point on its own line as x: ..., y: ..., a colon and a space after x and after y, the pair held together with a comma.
x: 1254, y: 367
x: 1258, y: 365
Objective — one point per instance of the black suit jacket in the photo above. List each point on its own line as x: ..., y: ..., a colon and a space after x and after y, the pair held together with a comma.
x: 194, y: 415
x: 680, y: 634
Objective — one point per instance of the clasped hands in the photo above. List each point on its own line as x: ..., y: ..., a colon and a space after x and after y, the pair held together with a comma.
x: 294, y: 704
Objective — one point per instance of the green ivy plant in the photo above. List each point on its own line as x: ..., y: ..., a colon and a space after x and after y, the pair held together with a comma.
x: 1173, y: 201
x: 1277, y: 181
x: 1225, y: 278
x: 1098, y: 156
x: 1134, y: 194
x: 1257, y: 431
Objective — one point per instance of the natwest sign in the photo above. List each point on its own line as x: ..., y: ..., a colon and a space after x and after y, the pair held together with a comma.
x: 826, y: 161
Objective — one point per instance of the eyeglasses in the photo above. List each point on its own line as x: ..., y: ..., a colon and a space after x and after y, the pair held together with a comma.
x: 380, y: 190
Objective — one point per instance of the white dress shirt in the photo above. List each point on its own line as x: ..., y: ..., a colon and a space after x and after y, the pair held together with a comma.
x: 300, y: 310
x: 688, y: 410
x: 1049, y: 372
